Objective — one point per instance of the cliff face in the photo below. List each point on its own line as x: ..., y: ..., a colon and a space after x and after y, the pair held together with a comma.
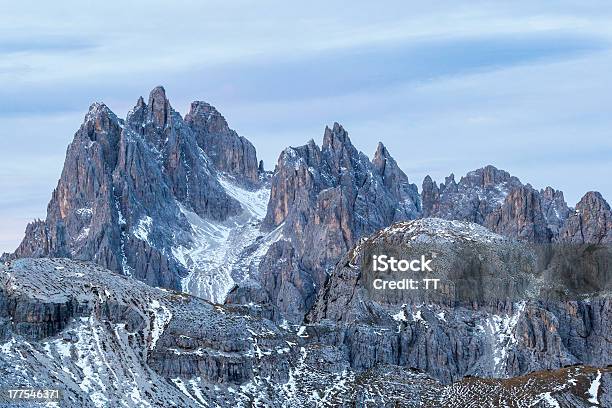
x: 522, y: 216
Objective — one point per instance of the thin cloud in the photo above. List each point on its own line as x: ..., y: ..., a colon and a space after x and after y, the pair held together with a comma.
x: 44, y: 45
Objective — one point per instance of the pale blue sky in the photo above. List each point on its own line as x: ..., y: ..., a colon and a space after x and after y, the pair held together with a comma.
x: 447, y: 87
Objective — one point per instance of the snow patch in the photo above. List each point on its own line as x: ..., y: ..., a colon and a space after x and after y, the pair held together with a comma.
x: 550, y: 400
x: 501, y: 331
x: 301, y: 332
x: 217, y: 256
x: 143, y: 229
x: 85, y: 212
x: 254, y: 202
x: 594, y: 389
x: 401, y: 315
x: 84, y: 234
x: 161, y: 318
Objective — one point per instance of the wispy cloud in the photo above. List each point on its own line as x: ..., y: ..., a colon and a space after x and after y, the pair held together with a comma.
x: 44, y: 45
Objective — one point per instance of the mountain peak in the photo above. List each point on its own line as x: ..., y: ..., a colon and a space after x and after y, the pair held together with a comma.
x: 159, y: 106
x: 100, y: 116
x: 381, y: 152
x: 382, y: 160
x: 207, y: 118
x: 203, y: 107
x: 593, y: 199
x: 229, y: 152
x: 488, y: 177
x: 98, y: 108
x: 336, y: 137
x: 591, y: 222
x: 157, y: 91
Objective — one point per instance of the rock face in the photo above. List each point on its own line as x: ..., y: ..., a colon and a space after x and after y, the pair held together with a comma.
x: 323, y: 200
x: 127, y: 185
x: 591, y: 222
x: 36, y: 244
x: 396, y: 182
x: 229, y: 152
x: 530, y: 215
x: 521, y: 216
x: 554, y: 208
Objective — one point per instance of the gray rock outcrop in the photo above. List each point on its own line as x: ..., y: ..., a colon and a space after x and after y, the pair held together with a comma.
x: 472, y: 199
x: 521, y: 216
x: 499, y: 201
x: 501, y: 309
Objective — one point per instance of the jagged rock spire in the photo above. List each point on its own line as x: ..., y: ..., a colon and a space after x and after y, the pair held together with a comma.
x: 123, y: 183
x: 327, y: 198
x: 336, y: 137
x: 396, y: 181
x: 159, y: 107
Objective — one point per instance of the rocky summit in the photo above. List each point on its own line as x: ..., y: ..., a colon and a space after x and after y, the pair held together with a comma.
x: 172, y: 269
x: 152, y: 196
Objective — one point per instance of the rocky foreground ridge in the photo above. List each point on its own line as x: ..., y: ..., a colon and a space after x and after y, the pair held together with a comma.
x: 182, y: 204
x: 109, y: 340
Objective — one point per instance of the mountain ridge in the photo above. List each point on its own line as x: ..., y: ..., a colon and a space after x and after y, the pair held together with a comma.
x: 163, y: 159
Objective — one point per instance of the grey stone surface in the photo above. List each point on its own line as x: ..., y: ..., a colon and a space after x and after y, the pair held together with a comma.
x: 522, y: 215
x: 104, y: 339
x: 229, y: 152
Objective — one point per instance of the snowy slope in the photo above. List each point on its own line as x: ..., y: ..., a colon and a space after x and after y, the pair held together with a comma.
x: 216, y: 258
